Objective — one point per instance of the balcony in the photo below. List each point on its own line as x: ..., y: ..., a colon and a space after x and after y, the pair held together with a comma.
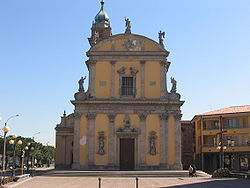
x: 228, y: 145
x: 211, y: 128
x: 225, y: 127
x: 236, y: 127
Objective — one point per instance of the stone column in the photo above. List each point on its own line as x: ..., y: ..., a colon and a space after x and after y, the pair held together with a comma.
x: 91, y: 138
x: 63, y: 148
x: 91, y: 65
x: 163, y: 83
x: 163, y: 139
x: 111, y: 140
x: 178, y: 163
x: 76, y: 146
x: 142, y: 151
x: 112, y: 86
x: 142, y: 79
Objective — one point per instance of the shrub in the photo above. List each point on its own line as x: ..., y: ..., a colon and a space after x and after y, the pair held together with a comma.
x: 221, y: 172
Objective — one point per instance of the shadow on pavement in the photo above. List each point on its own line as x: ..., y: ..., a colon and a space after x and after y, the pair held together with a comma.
x: 235, y: 183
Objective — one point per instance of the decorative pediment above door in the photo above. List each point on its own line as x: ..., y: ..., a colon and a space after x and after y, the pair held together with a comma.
x: 127, y: 131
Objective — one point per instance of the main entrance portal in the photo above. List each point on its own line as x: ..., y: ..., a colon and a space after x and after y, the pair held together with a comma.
x: 127, y: 153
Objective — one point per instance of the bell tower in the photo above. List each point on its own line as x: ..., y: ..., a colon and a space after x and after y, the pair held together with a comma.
x: 101, y: 27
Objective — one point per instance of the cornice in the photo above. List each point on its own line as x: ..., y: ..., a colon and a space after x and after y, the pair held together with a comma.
x: 128, y: 102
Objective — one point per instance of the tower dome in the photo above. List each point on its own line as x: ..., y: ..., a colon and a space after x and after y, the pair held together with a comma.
x: 102, y: 18
x: 101, y: 27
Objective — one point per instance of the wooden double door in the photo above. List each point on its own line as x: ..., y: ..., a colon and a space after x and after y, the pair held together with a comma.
x: 127, y: 153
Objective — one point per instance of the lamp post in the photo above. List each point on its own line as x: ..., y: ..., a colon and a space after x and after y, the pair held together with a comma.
x: 29, y: 148
x: 221, y: 145
x: 28, y: 153
x: 32, y: 163
x: 22, y: 160
x: 5, y: 129
x: 14, y: 143
x: 33, y: 137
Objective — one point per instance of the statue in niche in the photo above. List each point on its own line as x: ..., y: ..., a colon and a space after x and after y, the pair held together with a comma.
x: 152, y: 143
x: 126, y: 121
x: 128, y: 25
x: 173, y: 81
x: 81, y: 82
x: 101, y: 138
x: 161, y: 36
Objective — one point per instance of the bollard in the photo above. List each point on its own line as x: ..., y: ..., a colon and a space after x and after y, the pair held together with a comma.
x: 136, y: 182
x: 99, y: 179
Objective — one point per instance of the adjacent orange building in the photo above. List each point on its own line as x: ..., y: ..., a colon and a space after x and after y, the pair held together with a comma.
x: 235, y: 125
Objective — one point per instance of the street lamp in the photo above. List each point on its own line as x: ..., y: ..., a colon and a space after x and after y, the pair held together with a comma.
x: 29, y: 148
x: 5, y: 129
x: 33, y: 137
x: 14, y: 143
x: 32, y: 162
x: 222, y: 148
x: 221, y: 145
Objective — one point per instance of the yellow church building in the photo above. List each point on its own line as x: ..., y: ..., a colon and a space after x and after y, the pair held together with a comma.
x: 127, y: 119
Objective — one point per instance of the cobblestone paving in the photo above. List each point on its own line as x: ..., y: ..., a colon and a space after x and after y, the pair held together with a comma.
x: 128, y: 182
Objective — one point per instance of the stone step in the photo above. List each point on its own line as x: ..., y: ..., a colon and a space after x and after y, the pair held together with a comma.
x: 168, y: 173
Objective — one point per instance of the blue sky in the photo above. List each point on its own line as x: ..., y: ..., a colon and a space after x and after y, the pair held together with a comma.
x: 43, y: 45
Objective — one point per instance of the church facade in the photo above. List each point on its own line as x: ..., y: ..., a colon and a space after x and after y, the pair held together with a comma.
x: 127, y: 119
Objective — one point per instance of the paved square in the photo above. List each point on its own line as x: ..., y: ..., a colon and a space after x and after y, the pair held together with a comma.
x: 129, y: 182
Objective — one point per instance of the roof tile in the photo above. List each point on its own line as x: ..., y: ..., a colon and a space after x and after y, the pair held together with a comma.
x: 229, y: 110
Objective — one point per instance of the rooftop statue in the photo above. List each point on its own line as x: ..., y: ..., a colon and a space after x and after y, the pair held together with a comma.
x: 173, y: 81
x: 161, y: 36
x: 81, y: 82
x: 128, y: 25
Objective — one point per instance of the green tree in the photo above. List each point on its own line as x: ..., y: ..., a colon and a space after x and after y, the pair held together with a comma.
x: 43, y: 154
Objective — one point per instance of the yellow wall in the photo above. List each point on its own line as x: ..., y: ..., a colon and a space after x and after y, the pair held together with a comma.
x: 83, y: 148
x: 68, y: 152
x: 119, y: 121
x: 153, y: 124
x: 102, y: 74
x: 152, y: 74
x: 171, y: 140
x: 101, y: 124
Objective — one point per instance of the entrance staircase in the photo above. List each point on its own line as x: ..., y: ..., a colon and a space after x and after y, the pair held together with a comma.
x: 154, y: 173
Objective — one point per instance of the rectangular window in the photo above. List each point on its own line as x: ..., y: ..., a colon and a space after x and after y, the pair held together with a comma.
x: 244, y: 123
x: 231, y: 123
x: 127, y: 87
